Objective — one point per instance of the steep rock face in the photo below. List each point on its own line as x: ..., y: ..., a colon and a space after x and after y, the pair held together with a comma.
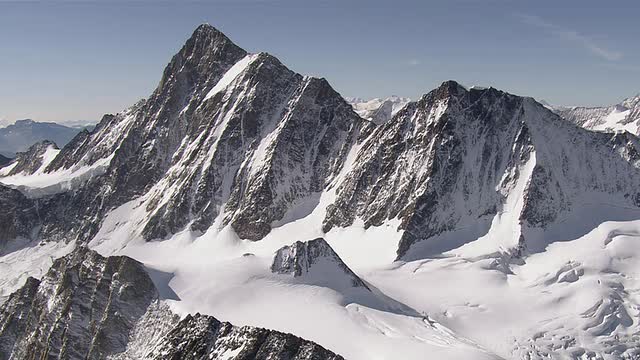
x: 622, y: 116
x: 204, y: 337
x: 83, y: 308
x: 269, y: 139
x: 302, y: 258
x: 223, y: 128
x: 19, y: 216
x: 452, y: 160
x: 32, y: 160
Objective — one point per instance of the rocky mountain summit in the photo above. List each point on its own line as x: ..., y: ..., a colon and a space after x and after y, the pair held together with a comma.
x: 83, y: 308
x: 457, y: 157
x: 223, y: 128
x: 87, y: 307
x: 310, y: 257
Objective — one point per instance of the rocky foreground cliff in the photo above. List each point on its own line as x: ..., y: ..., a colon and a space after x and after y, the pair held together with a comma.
x: 92, y: 307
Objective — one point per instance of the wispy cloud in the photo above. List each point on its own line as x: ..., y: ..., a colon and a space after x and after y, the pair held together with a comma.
x: 571, y: 35
x: 414, y: 62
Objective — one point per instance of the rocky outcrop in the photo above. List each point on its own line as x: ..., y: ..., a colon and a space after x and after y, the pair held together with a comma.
x: 304, y: 258
x: 204, y: 337
x: 19, y: 216
x: 83, y: 308
x: 92, y: 307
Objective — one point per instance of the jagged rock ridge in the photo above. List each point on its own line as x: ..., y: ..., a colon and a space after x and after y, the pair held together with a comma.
x: 204, y: 337
x: 223, y: 128
x: 453, y: 158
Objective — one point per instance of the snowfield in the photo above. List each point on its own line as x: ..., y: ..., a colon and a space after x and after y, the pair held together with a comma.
x: 458, y: 305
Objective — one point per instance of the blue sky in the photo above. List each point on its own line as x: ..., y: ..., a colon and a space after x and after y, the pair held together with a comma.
x: 76, y: 60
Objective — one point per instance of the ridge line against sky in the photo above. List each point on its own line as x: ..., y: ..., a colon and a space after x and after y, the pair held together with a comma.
x: 80, y: 59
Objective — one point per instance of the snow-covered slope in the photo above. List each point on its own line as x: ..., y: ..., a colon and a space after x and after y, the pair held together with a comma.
x: 472, y: 224
x: 622, y: 116
x: 378, y: 110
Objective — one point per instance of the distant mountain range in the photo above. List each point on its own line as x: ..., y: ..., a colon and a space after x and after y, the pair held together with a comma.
x: 622, y: 116
x: 378, y: 110
x: 19, y: 136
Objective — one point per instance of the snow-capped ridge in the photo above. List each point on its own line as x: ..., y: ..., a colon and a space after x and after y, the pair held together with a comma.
x: 450, y: 160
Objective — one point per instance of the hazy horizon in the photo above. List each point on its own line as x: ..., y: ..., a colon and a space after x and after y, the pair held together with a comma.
x: 75, y: 61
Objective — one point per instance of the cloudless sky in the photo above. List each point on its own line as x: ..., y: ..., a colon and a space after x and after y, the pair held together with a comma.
x: 76, y: 60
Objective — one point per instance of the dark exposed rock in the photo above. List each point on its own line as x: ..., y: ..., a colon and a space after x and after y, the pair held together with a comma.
x: 83, y: 308
x: 92, y: 307
x: 204, y: 337
x: 19, y: 216
x: 300, y: 258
